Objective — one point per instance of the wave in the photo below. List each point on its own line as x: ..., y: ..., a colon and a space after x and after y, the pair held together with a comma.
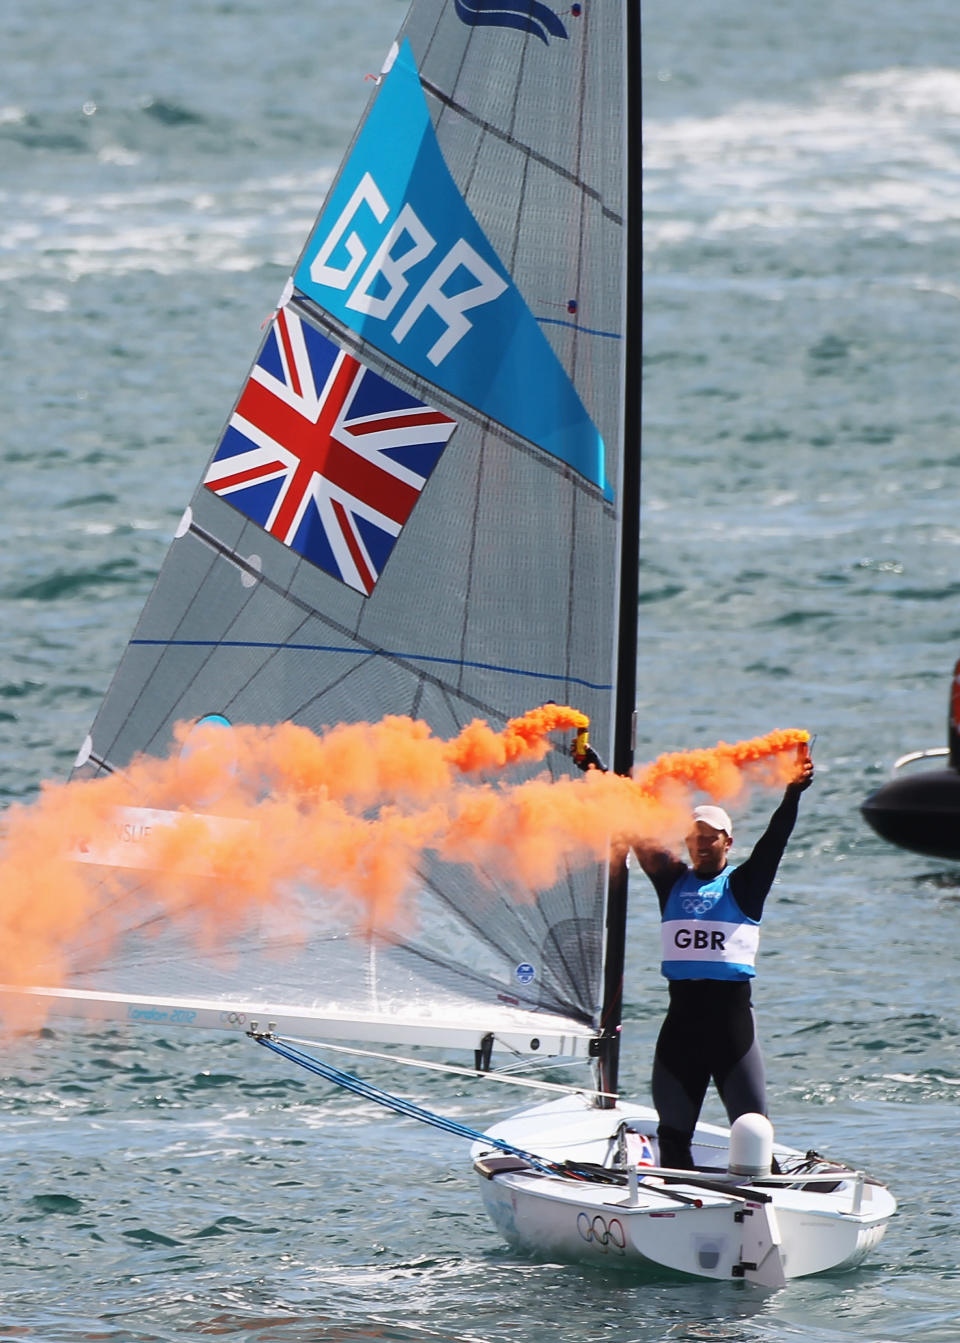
x: 876, y: 152
x: 61, y: 583
x: 172, y: 228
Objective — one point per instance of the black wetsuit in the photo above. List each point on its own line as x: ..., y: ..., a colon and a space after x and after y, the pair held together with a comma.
x: 709, y: 1028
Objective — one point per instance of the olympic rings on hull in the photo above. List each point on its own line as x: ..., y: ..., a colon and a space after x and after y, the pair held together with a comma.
x: 608, y: 1236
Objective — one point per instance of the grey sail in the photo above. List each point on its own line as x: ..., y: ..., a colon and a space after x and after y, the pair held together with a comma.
x: 414, y: 508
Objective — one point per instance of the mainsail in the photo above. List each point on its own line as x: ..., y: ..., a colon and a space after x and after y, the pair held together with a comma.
x: 414, y: 508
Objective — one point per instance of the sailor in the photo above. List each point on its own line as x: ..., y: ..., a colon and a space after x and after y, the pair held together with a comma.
x: 710, y: 916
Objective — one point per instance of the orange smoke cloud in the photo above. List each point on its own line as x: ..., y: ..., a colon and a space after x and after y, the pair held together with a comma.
x: 530, y: 832
x: 725, y: 770
x: 224, y: 827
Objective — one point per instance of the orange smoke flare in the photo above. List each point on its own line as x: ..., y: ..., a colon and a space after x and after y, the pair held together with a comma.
x: 479, y: 747
x: 724, y: 770
x: 235, y: 819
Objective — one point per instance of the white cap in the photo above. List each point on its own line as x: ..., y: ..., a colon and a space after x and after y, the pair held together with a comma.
x: 715, y: 817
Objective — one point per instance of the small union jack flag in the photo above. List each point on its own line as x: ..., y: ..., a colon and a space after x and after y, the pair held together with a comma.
x: 325, y: 454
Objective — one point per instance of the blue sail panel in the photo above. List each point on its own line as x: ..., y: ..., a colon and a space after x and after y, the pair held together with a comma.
x: 398, y: 257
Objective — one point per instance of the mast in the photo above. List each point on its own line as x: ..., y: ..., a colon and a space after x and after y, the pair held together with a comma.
x: 626, y: 653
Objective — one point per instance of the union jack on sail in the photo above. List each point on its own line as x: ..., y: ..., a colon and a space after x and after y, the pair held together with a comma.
x: 325, y: 454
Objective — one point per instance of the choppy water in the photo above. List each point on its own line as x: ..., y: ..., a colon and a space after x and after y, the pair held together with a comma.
x: 159, y: 165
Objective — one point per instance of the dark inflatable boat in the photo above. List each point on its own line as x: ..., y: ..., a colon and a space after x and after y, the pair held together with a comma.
x: 919, y: 808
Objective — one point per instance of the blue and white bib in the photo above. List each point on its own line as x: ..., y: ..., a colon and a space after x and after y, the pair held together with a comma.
x: 704, y: 932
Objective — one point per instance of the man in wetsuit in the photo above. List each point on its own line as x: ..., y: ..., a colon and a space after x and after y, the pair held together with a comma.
x: 710, y: 915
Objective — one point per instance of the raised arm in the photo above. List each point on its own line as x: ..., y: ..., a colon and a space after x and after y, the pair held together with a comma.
x: 751, y: 881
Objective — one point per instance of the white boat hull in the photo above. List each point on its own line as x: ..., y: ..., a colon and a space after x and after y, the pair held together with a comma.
x: 720, y: 1228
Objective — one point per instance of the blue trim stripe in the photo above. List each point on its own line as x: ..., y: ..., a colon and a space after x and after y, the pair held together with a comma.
x: 369, y: 652
x: 575, y: 326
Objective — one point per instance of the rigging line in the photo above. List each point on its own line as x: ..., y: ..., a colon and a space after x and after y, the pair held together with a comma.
x: 368, y: 1091
x: 430, y: 1066
x: 526, y: 150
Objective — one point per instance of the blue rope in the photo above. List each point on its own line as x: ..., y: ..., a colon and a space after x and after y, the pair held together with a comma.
x: 404, y: 1107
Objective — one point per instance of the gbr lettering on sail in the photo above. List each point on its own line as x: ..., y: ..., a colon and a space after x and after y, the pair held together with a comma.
x: 398, y: 257
x: 379, y: 285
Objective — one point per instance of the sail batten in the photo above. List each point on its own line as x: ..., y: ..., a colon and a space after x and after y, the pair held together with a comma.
x: 527, y: 151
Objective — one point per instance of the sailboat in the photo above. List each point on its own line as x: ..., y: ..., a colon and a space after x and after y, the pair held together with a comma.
x: 425, y: 503
x: 918, y: 808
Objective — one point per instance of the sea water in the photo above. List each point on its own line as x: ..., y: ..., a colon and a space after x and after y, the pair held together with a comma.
x: 159, y: 167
